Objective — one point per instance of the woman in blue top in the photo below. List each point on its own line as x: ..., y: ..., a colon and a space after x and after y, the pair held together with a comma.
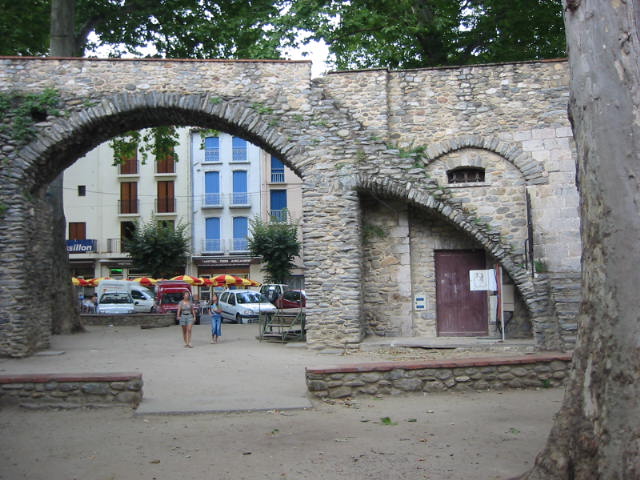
x: 216, y: 319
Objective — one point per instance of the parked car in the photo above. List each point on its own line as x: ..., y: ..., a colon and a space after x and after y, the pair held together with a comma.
x: 114, y: 303
x: 273, y: 290
x: 168, y: 294
x: 142, y: 297
x: 291, y: 299
x: 244, y: 306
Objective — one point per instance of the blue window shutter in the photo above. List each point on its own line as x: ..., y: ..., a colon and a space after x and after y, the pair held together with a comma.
x: 239, y: 147
x: 240, y: 196
x: 278, y: 199
x: 240, y: 233
x: 212, y: 149
x: 212, y: 188
x: 212, y: 235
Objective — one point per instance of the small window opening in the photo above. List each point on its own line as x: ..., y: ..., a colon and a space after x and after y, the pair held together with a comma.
x: 82, y: 190
x: 466, y: 175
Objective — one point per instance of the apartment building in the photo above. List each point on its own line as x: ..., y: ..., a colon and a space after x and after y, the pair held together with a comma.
x: 103, y: 202
x: 219, y: 183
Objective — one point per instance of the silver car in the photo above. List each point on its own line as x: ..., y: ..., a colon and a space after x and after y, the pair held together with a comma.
x: 114, y: 303
x: 244, y: 306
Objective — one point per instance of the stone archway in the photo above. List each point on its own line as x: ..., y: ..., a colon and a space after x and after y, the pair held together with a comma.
x: 335, y: 138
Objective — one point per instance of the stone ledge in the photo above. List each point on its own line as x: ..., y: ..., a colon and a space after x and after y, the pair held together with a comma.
x: 79, y: 389
x: 543, y: 370
x: 451, y: 363
x: 144, y: 320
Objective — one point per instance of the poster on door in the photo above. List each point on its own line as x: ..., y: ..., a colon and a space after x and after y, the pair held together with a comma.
x: 482, y: 280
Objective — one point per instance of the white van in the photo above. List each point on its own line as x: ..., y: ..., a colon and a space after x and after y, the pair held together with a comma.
x: 143, y: 300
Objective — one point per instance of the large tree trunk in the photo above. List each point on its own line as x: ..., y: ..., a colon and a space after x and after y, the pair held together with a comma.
x: 596, y: 434
x: 65, y: 317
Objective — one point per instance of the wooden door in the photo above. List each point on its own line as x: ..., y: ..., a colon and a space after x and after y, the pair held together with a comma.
x: 460, y: 311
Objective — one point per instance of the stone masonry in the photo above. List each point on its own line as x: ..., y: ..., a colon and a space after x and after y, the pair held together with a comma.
x: 350, y: 136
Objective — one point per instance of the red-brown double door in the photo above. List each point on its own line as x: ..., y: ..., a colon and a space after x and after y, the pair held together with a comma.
x: 460, y: 311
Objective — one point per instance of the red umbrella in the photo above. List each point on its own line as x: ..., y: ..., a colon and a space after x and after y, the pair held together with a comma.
x: 146, y: 281
x: 185, y: 278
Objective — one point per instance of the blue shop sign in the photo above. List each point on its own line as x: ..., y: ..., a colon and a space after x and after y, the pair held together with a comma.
x: 82, y: 246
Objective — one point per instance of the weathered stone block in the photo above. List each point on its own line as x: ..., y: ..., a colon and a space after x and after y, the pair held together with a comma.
x: 408, y: 384
x: 339, y: 392
x: 96, y: 389
x: 317, y: 385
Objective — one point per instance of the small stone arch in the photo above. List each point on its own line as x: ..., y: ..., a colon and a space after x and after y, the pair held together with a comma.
x: 532, y: 171
x: 453, y: 215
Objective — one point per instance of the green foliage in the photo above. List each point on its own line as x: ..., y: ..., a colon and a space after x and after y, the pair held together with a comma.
x: 159, y: 249
x: 24, y: 27
x: 371, y: 232
x: 262, y: 109
x: 205, y: 133
x: 418, y: 33
x: 540, y: 266
x: 24, y: 110
x: 387, y: 421
x: 157, y: 141
x: 277, y: 243
x: 3, y: 209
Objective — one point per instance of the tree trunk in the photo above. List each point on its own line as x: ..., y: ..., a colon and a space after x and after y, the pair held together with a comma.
x: 65, y: 316
x: 596, y: 434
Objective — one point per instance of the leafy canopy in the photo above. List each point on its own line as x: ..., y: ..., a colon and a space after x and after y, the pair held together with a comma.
x: 424, y: 33
x: 277, y: 243
x: 159, y: 248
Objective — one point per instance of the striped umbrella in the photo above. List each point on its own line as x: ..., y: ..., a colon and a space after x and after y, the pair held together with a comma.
x: 186, y: 278
x: 146, y: 281
x: 224, y: 279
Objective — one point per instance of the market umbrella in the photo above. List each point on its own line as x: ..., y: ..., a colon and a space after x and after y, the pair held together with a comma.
x: 185, y: 278
x: 94, y: 282
x: 146, y: 281
x: 79, y: 282
x: 198, y: 282
x: 253, y: 283
x: 224, y: 279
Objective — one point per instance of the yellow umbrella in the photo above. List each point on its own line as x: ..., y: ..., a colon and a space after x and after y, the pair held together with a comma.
x: 185, y: 278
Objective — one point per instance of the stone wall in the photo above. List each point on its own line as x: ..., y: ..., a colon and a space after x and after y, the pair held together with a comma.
x: 144, y: 320
x: 71, y: 390
x: 397, y: 378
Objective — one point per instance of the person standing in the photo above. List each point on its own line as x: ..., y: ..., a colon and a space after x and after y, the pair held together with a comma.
x: 186, y: 315
x: 216, y: 318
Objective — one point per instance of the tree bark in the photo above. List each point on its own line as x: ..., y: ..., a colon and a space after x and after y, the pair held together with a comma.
x: 65, y: 314
x: 596, y: 434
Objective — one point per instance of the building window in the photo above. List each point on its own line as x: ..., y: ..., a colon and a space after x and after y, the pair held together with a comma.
x: 128, y: 197
x: 211, y: 149
x: 466, y: 175
x: 239, y: 153
x: 129, y: 164
x: 127, y: 231
x: 277, y: 170
x: 170, y: 224
x: 212, y: 235
x: 240, y: 196
x: 166, y: 164
x: 240, y: 234
x: 278, y: 204
x: 77, y: 231
x: 212, y: 188
x: 166, y: 201
x: 82, y: 190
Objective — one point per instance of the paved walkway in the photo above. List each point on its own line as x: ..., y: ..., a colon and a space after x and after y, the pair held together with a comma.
x: 238, y: 374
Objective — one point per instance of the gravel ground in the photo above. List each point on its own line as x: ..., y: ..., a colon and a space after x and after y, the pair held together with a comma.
x: 445, y: 436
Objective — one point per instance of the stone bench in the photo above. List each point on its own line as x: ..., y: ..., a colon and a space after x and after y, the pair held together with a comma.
x: 462, y: 374
x: 71, y: 390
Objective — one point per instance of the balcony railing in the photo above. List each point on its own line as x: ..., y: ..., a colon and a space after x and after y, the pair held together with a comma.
x: 239, y: 199
x: 225, y: 246
x: 113, y: 245
x: 277, y: 175
x: 211, y: 155
x: 128, y: 207
x: 212, y: 200
x: 281, y: 216
x: 165, y: 205
x: 212, y: 245
x: 239, y: 154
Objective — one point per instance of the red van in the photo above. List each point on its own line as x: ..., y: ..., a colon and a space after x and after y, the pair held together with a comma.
x: 168, y: 295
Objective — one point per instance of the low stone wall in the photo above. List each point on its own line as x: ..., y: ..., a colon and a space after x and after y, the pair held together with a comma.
x: 145, y: 320
x: 395, y: 378
x: 71, y: 390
